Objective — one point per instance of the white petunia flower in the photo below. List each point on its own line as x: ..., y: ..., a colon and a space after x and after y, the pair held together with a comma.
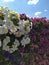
x: 1, y: 22
x: 21, y: 24
x: 25, y: 41
x: 11, y: 51
x: 13, y: 29
x: 16, y: 42
x: 25, y: 22
x: 19, y: 31
x: 4, y: 29
x: 27, y: 26
x: 6, y: 48
x: 14, y: 48
x: 17, y: 34
x: 27, y: 30
x: 6, y: 40
x: 9, y: 24
x: 1, y: 30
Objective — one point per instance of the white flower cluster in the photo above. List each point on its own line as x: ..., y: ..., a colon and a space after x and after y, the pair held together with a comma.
x: 10, y: 23
x: 7, y: 48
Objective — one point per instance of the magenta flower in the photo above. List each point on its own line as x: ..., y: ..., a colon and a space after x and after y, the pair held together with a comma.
x: 43, y: 62
x: 41, y: 51
x: 38, y: 58
x: 42, y: 39
x: 23, y: 63
x: 21, y: 49
x: 35, y: 20
x: 34, y: 38
x: 32, y: 47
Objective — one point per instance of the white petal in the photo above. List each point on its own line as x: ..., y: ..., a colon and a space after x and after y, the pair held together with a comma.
x: 0, y: 43
x: 16, y: 42
x: 25, y: 41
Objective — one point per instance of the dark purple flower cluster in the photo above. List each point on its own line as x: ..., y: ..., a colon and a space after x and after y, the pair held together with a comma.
x: 23, y: 16
x: 9, y: 56
x: 39, y: 46
x: 40, y: 32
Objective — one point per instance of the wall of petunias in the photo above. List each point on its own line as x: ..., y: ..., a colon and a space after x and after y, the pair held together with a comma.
x: 23, y: 40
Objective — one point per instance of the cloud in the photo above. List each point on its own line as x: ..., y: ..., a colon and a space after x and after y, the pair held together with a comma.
x: 45, y: 10
x: 37, y: 14
x: 32, y: 2
x: 8, y: 0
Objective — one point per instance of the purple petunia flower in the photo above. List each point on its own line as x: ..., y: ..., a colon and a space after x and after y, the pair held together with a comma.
x: 42, y: 39
x: 12, y: 57
x: 9, y: 56
x: 6, y: 54
x: 19, y: 56
x: 34, y: 37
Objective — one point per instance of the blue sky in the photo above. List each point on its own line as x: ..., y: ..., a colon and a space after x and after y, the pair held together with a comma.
x: 32, y: 8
